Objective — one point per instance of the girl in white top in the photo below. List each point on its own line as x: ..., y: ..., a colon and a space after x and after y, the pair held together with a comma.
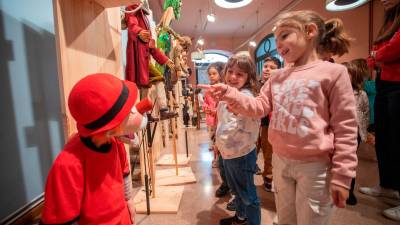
x: 236, y: 136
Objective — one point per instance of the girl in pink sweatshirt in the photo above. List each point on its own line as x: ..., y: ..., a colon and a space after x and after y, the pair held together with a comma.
x: 313, y: 128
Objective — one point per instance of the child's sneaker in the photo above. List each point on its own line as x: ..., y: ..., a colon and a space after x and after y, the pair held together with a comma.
x: 232, y: 221
x: 222, y: 191
x: 352, y: 200
x: 379, y: 191
x: 392, y: 213
x: 231, y: 206
x: 267, y: 184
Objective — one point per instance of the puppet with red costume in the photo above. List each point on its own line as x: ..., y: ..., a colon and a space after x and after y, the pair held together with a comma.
x: 140, y: 47
x: 89, y: 182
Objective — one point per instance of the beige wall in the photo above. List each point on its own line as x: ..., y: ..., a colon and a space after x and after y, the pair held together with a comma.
x: 355, y: 21
x: 220, y: 43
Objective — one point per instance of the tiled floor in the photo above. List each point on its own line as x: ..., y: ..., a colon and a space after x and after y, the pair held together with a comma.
x: 200, y: 207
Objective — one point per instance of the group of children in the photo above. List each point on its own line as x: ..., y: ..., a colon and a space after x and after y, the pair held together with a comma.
x: 314, y: 115
x: 313, y: 111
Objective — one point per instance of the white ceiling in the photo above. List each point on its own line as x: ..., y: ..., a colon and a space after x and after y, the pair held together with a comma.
x: 230, y: 23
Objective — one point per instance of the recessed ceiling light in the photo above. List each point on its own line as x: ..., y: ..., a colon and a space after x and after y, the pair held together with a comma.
x: 211, y: 17
x: 231, y: 4
x: 200, y: 41
x: 341, y: 5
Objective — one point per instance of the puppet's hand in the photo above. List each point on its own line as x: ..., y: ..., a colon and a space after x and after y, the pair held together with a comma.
x: 145, y: 35
x: 179, y: 73
x: 170, y: 64
x: 132, y: 210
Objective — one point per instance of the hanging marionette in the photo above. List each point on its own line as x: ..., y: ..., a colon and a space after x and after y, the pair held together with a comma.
x: 178, y: 56
x: 139, y: 48
x: 172, y: 11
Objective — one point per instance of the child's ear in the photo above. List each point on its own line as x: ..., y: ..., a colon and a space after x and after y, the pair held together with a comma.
x: 311, y: 30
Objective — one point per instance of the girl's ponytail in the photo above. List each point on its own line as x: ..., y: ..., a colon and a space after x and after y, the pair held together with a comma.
x: 334, y: 40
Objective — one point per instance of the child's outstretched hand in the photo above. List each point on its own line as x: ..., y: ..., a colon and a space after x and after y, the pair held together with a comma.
x: 339, y: 195
x: 217, y: 90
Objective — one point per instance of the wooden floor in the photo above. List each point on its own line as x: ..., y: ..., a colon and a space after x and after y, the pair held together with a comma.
x: 200, y: 207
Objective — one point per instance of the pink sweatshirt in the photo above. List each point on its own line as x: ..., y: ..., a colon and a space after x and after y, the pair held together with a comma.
x: 211, y: 104
x: 313, y: 115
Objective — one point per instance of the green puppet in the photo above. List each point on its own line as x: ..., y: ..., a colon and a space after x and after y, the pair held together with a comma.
x: 172, y: 10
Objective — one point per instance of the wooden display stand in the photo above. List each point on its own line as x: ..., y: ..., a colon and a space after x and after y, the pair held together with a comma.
x: 174, y: 158
x: 168, y: 200
x: 174, y: 134
x: 88, y: 38
x: 168, y: 160
x: 167, y: 177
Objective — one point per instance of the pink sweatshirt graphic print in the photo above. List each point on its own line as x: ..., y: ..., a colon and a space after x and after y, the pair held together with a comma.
x: 313, y: 115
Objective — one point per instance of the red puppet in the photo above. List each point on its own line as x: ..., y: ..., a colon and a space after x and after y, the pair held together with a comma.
x: 89, y: 182
x: 140, y: 46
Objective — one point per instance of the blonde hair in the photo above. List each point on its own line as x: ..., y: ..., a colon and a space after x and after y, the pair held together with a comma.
x: 247, y: 65
x: 331, y: 36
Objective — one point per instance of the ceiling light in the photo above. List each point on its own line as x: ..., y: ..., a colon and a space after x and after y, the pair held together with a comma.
x: 231, y: 4
x: 341, y: 5
x: 252, y: 43
x: 200, y: 41
x: 211, y: 17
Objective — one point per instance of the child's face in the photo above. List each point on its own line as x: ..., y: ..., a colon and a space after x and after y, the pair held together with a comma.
x: 213, y: 75
x: 267, y: 69
x: 291, y: 43
x: 235, y: 77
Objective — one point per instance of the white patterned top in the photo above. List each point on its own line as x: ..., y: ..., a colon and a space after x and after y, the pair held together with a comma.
x: 236, y: 134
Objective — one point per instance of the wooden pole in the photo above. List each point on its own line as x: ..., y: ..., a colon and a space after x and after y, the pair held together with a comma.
x: 173, y: 127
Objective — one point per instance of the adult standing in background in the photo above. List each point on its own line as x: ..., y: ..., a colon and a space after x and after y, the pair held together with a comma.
x: 386, y: 56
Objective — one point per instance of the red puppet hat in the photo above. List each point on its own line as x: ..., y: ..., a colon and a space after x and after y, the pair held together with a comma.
x: 100, y: 102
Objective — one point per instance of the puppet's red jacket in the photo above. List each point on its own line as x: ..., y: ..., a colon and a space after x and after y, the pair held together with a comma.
x: 86, y: 185
x: 138, y: 52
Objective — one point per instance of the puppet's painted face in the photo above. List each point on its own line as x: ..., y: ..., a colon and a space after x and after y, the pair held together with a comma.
x: 133, y: 123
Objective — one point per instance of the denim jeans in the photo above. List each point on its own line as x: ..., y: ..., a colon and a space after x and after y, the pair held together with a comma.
x: 240, y: 176
x: 222, y: 171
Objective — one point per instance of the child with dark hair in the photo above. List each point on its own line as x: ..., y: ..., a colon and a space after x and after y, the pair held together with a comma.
x: 236, y: 137
x: 214, y: 71
x: 270, y: 64
x: 369, y: 88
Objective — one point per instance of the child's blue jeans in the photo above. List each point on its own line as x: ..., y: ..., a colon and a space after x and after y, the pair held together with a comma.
x: 240, y: 176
